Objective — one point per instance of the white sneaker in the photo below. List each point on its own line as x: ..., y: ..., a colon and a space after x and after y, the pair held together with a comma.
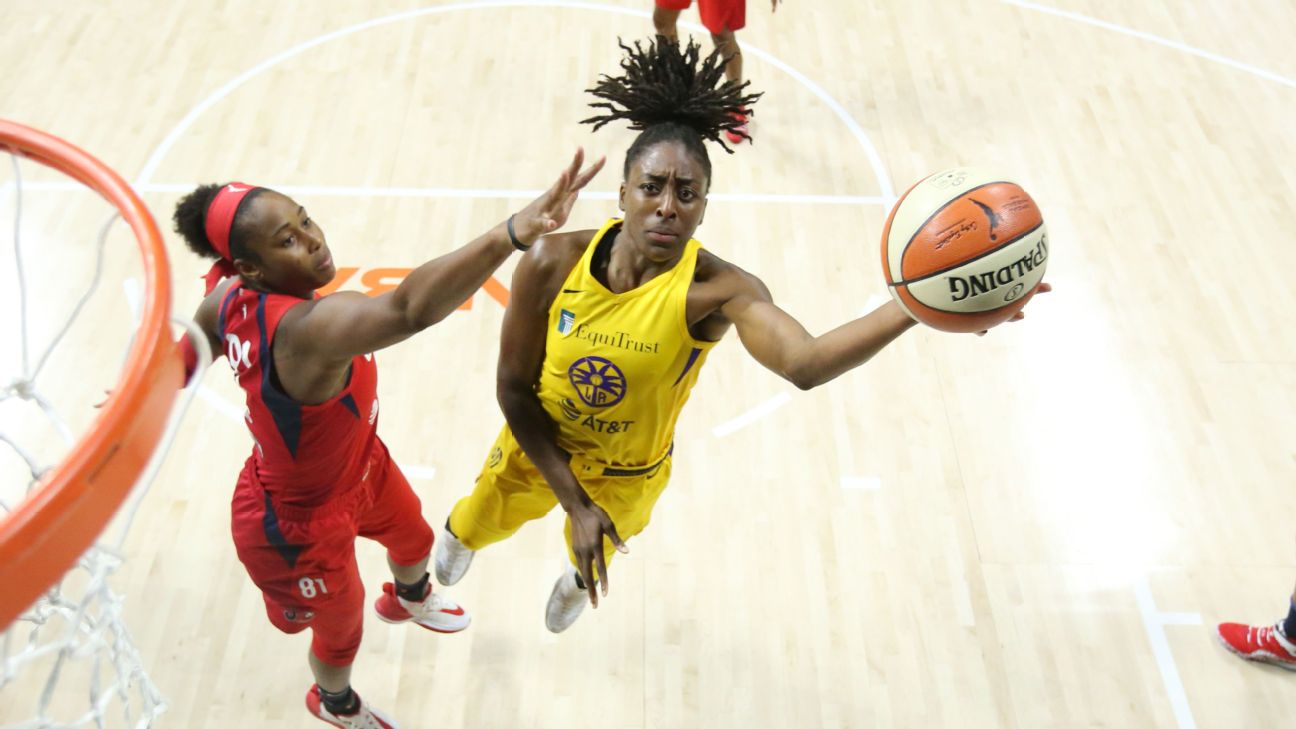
x: 566, y: 602
x: 366, y: 718
x: 436, y: 612
x: 452, y: 558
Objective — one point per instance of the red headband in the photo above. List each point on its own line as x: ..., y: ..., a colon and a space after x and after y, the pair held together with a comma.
x: 219, y: 220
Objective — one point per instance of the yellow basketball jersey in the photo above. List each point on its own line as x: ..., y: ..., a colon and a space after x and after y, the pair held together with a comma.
x: 618, y: 368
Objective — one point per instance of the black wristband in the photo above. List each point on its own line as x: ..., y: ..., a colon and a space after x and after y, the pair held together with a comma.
x: 514, y: 239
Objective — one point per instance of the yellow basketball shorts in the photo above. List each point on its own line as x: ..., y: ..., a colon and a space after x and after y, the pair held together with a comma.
x: 510, y: 492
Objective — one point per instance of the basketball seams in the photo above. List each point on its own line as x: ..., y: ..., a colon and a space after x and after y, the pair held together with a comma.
x: 959, y: 322
x: 887, y: 264
x: 927, y: 204
x: 924, y: 196
x: 918, y: 230
x: 974, y: 259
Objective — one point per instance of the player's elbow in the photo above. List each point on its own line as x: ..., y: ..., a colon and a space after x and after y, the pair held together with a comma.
x: 511, y: 393
x: 804, y: 380
x: 418, y: 313
x: 426, y: 314
x: 803, y: 371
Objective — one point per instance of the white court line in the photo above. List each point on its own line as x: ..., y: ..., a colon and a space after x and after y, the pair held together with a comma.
x: 861, y: 483
x: 222, y: 406
x: 155, y: 159
x: 873, y: 302
x: 751, y: 416
x: 424, y: 472
x: 1155, y: 622
x: 1217, y: 58
x: 467, y: 193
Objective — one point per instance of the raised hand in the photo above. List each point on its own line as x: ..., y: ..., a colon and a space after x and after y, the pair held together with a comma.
x: 549, y: 212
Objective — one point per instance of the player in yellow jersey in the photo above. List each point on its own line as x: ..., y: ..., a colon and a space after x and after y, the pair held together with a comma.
x: 606, y: 331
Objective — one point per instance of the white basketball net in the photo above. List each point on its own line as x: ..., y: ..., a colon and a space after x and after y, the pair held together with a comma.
x: 68, y: 660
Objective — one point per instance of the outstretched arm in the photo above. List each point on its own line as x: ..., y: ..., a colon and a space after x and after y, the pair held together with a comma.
x: 782, y: 345
x: 345, y: 324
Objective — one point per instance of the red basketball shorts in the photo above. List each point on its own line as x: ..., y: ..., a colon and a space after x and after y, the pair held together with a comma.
x: 717, y: 15
x: 303, y: 560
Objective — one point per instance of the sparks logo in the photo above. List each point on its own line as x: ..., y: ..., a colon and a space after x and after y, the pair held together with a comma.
x: 598, y: 382
x: 566, y: 322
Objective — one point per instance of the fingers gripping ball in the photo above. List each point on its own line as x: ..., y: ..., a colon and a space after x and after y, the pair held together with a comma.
x: 964, y: 250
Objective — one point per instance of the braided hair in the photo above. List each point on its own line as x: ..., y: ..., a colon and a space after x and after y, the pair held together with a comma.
x: 670, y: 95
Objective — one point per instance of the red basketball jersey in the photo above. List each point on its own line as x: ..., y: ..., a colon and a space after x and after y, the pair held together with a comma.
x: 302, y: 453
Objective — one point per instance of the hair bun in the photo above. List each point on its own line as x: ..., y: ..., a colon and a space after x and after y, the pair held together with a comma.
x: 664, y: 83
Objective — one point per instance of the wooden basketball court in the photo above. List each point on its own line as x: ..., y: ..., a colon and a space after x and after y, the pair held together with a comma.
x: 1036, y: 529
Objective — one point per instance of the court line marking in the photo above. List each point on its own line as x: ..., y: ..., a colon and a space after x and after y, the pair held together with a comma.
x: 220, y: 404
x: 468, y: 193
x: 861, y: 483
x: 1176, y: 45
x: 155, y: 159
x: 873, y: 302
x: 427, y: 473
x: 742, y: 421
x: 1154, y: 623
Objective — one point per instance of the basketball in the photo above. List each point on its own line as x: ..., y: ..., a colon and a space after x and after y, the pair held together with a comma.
x: 964, y: 250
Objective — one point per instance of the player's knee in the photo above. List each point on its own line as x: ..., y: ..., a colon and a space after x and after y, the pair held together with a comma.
x: 337, y: 651
x: 416, y: 546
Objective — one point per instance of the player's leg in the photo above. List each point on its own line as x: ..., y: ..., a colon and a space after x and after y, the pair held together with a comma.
x: 666, y: 15
x: 307, y: 574
x: 723, y: 18
x: 629, y: 502
x: 336, y: 629
x: 509, y: 492
x: 727, y: 43
x: 1275, y: 644
x: 393, y: 517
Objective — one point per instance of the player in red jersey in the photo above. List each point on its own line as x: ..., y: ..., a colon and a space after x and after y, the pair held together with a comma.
x: 721, y: 18
x: 319, y: 476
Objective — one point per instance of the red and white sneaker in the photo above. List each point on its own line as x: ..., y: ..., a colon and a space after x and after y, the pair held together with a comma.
x: 1266, y: 645
x: 366, y: 718
x: 434, y: 613
x: 739, y: 134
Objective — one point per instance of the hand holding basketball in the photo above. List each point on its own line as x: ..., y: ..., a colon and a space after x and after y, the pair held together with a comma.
x: 1043, y: 288
x: 549, y: 212
x: 964, y: 250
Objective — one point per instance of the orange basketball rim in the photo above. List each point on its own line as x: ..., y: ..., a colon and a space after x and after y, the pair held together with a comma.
x: 47, y: 532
